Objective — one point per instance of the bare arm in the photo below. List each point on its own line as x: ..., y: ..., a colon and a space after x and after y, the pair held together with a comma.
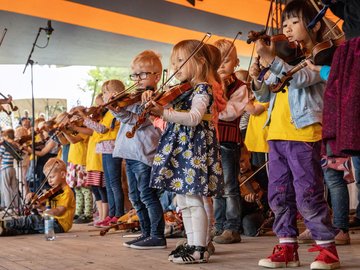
x: 48, y: 147
x: 254, y: 109
x: 57, y: 211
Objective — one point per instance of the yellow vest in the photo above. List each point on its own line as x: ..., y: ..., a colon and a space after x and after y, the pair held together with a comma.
x: 107, y: 121
x: 93, y: 160
x: 256, y: 134
x: 282, y: 127
x: 77, y: 151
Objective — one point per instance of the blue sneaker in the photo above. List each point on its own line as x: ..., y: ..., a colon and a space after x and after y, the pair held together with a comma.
x: 151, y: 242
x: 139, y: 238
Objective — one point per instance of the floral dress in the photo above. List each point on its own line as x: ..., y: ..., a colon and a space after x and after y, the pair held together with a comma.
x: 188, y: 158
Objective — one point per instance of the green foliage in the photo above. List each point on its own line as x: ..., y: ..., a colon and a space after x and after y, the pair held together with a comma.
x: 99, y: 75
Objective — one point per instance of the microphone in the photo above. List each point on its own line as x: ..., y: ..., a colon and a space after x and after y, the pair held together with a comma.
x: 49, y: 29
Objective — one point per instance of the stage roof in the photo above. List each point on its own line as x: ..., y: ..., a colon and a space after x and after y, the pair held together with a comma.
x: 111, y: 32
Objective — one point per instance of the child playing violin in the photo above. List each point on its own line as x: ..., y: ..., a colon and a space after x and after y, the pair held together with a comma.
x: 294, y: 137
x: 227, y: 206
x: 62, y: 205
x: 188, y: 160
x: 109, y: 200
x: 76, y: 170
x: 139, y: 152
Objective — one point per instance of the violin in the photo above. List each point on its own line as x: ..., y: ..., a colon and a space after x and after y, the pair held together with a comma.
x: 124, y: 98
x: 321, y: 55
x: 48, y: 195
x: 7, y: 100
x: 290, y: 52
x: 129, y: 221
x: 163, y: 98
x: 250, y: 186
x: 121, y: 226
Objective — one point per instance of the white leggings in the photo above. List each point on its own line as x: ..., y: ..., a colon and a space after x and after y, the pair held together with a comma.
x: 195, y: 219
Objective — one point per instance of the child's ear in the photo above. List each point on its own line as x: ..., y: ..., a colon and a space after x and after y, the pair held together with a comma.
x: 158, y: 77
x: 237, y: 62
x: 63, y: 174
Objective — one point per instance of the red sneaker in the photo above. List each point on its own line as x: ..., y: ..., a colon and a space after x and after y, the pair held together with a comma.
x: 327, y: 259
x: 103, y: 223
x: 113, y: 220
x: 284, y: 255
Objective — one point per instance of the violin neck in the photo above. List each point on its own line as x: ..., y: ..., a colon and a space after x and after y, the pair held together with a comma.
x: 299, y: 66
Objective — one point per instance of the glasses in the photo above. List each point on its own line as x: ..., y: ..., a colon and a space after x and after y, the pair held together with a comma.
x: 141, y: 75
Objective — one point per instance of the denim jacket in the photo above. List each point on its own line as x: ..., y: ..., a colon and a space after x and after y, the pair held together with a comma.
x: 142, y: 147
x: 306, y: 91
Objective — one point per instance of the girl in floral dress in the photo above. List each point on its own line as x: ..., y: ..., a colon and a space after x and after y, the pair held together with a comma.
x: 188, y: 157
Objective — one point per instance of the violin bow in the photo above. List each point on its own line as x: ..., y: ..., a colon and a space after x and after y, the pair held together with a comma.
x: 206, y: 37
x: 113, y: 98
x: 37, y: 192
x: 231, y: 46
x: 321, y: 15
x: 252, y: 175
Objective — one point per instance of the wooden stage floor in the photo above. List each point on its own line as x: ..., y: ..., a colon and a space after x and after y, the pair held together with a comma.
x: 82, y: 248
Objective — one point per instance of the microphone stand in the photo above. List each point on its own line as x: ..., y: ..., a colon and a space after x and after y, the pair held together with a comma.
x: 31, y: 63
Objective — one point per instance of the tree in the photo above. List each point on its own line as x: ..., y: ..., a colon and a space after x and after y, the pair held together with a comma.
x: 99, y: 75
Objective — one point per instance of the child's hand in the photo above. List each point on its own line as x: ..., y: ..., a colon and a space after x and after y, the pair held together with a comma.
x: 146, y: 96
x: 29, y: 197
x: 156, y: 110
x: 80, y: 113
x: 250, y: 198
x: 254, y: 70
x: 267, y: 53
x: 312, y: 66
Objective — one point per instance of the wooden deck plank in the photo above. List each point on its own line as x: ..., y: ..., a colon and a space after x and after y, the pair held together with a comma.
x: 96, y: 252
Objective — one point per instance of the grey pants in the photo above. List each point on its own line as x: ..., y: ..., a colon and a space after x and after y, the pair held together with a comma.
x: 9, y: 188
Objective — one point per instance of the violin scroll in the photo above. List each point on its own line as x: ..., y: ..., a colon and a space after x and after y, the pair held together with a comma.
x: 7, y: 100
x: 290, y: 52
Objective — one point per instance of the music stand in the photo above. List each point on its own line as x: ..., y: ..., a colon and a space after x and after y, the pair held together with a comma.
x: 16, y: 154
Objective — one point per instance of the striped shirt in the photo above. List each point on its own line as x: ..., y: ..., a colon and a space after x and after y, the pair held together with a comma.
x: 7, y: 160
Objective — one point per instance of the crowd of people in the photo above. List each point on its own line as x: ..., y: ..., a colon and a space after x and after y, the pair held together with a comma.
x: 222, y: 148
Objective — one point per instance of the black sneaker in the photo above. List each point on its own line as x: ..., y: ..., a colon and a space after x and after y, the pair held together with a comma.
x: 151, y: 242
x: 83, y: 220
x: 139, y: 238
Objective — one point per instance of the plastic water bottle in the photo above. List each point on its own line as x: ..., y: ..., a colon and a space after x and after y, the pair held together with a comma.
x: 49, y: 226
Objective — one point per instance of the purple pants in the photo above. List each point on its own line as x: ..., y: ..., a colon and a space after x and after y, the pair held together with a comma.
x: 296, y: 183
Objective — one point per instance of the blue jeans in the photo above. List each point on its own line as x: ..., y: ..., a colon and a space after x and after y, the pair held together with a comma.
x: 144, y: 199
x: 227, y: 207
x: 65, y: 152
x: 31, y: 224
x: 252, y: 222
x: 356, y: 163
x: 114, y: 191
x: 339, y: 195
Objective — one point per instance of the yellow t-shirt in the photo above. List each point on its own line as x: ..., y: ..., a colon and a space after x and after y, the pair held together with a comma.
x: 77, y: 151
x: 112, y: 133
x: 256, y: 134
x: 282, y: 127
x: 67, y: 200
x: 93, y: 160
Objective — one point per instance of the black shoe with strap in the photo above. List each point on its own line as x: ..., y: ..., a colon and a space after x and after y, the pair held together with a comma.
x: 192, y: 254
